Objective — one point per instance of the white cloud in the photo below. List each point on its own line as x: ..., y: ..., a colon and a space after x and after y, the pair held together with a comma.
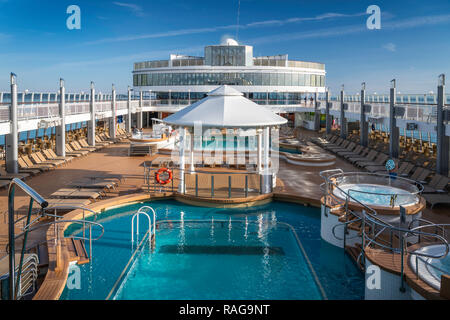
x: 257, y: 24
x: 390, y: 47
x: 136, y: 9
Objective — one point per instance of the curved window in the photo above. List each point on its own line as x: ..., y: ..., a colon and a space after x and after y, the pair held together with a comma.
x: 242, y: 79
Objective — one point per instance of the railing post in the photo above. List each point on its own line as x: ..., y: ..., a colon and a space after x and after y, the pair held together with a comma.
x: 12, y: 139
x: 229, y: 186
x: 12, y: 238
x: 402, y: 277
x: 212, y: 186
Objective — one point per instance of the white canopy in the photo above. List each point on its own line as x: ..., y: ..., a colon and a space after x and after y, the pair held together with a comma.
x: 225, y: 107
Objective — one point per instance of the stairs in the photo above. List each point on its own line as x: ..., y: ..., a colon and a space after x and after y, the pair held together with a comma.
x: 77, y: 251
x: 354, y: 252
x: 140, y: 150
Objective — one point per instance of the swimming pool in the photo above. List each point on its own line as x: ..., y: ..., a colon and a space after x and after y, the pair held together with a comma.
x: 223, y: 256
x: 374, y: 194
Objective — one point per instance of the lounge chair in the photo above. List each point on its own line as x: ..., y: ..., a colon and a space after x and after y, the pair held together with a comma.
x: 77, y: 193
x: 30, y: 165
x: 77, y: 147
x: 373, y: 154
x: 69, y: 149
x: 352, y: 148
x: 40, y: 156
x: 434, y: 199
x: 377, y: 164
x: 83, y: 143
x: 50, y: 155
x: 437, y: 185
x: 343, y: 147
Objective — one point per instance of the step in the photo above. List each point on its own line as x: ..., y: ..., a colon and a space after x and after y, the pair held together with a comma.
x: 77, y: 251
x: 354, y: 253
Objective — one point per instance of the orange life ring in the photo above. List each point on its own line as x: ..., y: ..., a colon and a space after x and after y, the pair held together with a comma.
x: 162, y: 171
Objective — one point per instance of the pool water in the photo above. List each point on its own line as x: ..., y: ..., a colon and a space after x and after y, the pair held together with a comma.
x: 221, y: 260
x: 371, y: 194
x: 260, y: 262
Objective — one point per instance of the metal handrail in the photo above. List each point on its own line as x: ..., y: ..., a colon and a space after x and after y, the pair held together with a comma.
x: 151, y: 226
x: 369, y: 218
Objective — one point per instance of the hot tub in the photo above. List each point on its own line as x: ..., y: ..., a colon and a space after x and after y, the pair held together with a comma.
x: 378, y: 195
x: 431, y: 269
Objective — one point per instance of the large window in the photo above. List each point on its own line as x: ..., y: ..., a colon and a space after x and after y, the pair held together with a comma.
x: 248, y: 78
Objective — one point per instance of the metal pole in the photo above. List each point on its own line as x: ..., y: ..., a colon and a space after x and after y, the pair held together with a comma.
x: 61, y: 129
x: 129, y: 111
x: 212, y: 186
x: 139, y: 113
x: 229, y: 186
x: 394, y: 132
x: 246, y: 186
x: 12, y: 247
x: 196, y: 185
x: 327, y: 112
x: 316, y: 113
x: 363, y: 125
x: 91, y: 125
x: 112, y: 123
x: 442, y: 143
x: 343, y: 119
x: 12, y: 139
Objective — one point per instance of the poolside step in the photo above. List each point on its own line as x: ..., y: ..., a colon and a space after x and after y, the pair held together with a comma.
x: 77, y: 251
x: 354, y: 253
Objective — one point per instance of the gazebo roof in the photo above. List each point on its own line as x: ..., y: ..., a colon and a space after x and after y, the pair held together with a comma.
x: 225, y: 107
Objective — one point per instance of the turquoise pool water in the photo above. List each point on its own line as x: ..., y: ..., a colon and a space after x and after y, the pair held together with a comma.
x: 371, y: 194
x: 225, y: 259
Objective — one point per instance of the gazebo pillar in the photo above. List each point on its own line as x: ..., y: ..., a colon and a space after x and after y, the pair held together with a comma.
x: 182, y: 186
x: 192, y: 166
x: 259, y: 150
x: 267, y: 177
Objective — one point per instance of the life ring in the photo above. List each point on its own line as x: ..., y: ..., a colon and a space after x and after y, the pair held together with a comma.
x: 163, y: 171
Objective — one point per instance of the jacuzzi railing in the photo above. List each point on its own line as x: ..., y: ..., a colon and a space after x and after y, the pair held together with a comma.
x: 373, y: 229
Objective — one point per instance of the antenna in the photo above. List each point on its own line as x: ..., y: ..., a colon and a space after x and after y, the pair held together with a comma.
x: 237, y: 24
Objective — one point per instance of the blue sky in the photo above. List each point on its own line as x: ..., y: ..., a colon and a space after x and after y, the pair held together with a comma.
x: 412, y: 46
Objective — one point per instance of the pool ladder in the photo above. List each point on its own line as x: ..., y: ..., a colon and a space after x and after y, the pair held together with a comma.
x: 151, y: 225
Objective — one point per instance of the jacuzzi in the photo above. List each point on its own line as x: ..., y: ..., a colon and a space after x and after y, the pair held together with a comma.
x: 377, y: 195
x: 431, y: 269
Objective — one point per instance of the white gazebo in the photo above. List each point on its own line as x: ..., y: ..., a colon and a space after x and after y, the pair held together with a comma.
x: 227, y: 108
